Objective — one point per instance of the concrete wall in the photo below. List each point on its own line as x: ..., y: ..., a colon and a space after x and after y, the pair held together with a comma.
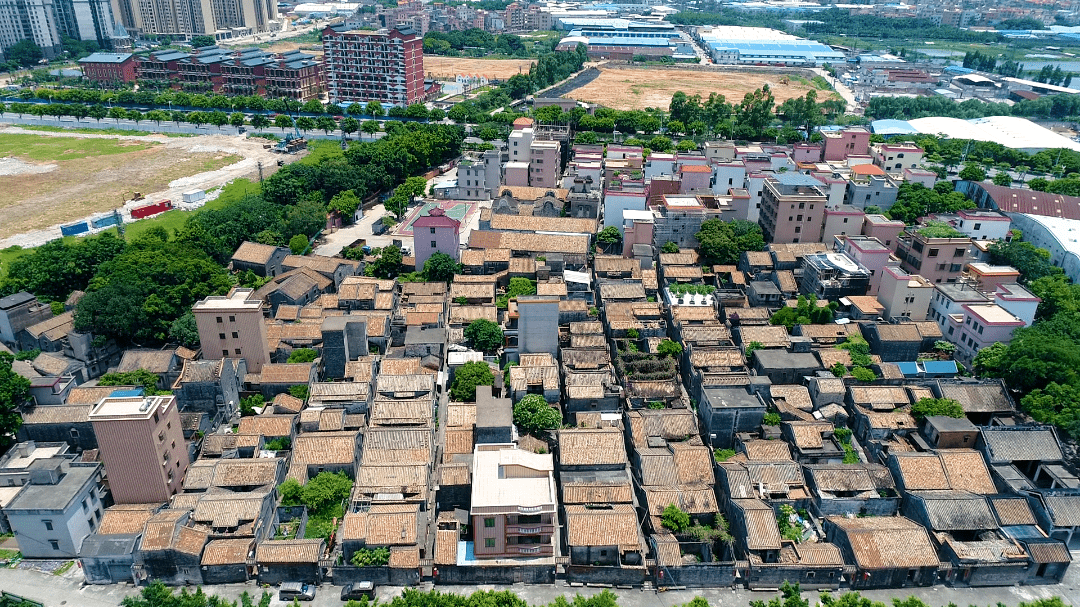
x: 108, y: 570
x: 61, y: 433
x: 701, y: 575
x: 309, y: 573
x: 810, y: 578
x: 484, y: 574
x: 376, y: 575
x: 225, y: 574
x: 588, y: 574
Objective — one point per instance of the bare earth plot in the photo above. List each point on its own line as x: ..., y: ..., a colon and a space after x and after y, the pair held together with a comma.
x: 446, y: 68
x: 49, y: 180
x: 637, y: 89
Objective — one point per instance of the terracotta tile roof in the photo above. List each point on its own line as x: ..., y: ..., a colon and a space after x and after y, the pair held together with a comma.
x: 597, y: 493
x: 190, y: 541
x: 591, y: 447
x: 402, y: 446
x: 692, y: 499
x: 287, y: 403
x: 459, y: 441
x: 614, y: 525
x: 762, y: 532
x: 404, y: 557
x: 286, y: 373
x: 325, y: 448
x: 91, y: 395
x: 453, y: 474
x: 160, y: 528
x: 289, y: 551
x: 1013, y: 511
x: 887, y: 542
x: 267, y: 425
x: 446, y: 541
x: 229, y: 509
x: 967, y: 471
x: 382, y: 525
x: 254, y: 252
x: 154, y: 361
x: 126, y: 518
x: 796, y: 396
x: 228, y: 552
x: 769, y: 336
x: 693, y: 462
x: 808, y: 435
x: 57, y: 414
x: 534, y: 223
x: 460, y: 415
x: 767, y: 450
x: 921, y: 471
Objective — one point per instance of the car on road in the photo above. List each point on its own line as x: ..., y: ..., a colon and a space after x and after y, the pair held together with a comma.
x: 297, y: 591
x: 355, y: 592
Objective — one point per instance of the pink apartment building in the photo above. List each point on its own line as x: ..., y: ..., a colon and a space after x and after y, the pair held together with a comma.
x: 142, y: 443
x: 870, y: 253
x: 435, y: 233
x: 841, y: 144
x: 792, y: 208
x: 513, y: 502
x: 980, y: 326
x: 886, y: 230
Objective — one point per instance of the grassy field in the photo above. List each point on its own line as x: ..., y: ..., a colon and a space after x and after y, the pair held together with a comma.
x: 94, y: 131
x: 624, y: 88
x: 83, y: 176
x: 53, y: 149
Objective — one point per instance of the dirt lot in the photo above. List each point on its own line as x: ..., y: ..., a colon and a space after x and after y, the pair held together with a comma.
x: 446, y: 68
x: 86, y: 174
x: 636, y: 89
x: 286, y: 46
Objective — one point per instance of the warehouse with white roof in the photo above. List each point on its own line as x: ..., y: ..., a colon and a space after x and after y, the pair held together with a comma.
x: 1009, y: 131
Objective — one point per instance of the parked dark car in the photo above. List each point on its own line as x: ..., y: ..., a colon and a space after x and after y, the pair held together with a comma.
x: 354, y: 592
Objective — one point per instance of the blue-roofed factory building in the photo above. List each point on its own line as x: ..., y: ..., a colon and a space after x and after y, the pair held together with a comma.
x: 762, y: 46
x: 623, y: 39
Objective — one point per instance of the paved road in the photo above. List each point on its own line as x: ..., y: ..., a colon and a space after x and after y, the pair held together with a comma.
x: 68, y: 590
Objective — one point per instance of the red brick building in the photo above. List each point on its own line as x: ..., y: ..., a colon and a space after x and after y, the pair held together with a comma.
x: 294, y: 75
x: 385, y: 66
x: 109, y: 67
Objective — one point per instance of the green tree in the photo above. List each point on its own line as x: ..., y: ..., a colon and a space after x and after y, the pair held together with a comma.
x: 467, y: 378
x: 484, y: 335
x: 185, y: 331
x: 388, y: 263
x: 326, y: 124
x: 299, y: 391
x: 533, y: 415
x: 14, y: 391
x: 674, y: 519
x: 326, y: 490
x: 371, y: 557
x: 668, y: 348
x: 1057, y: 404
x: 259, y: 121
x: 440, y: 267
x: 370, y: 127
x: 752, y: 347
x: 24, y: 53
x: 610, y: 235
x: 345, y: 204
x: 670, y: 247
x: 159, y: 595
x: 305, y: 124
x: 298, y: 244
x: 1002, y: 179
x: 927, y: 407
x: 237, y: 119
x: 374, y: 109
x: 518, y: 286
x: 349, y: 125
x: 283, y: 121
x: 722, y: 242
x: 202, y: 41
x: 973, y: 172
x: 863, y: 374
x: 303, y: 355
x: 248, y: 404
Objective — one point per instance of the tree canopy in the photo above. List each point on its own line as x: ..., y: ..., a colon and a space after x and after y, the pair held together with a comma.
x: 467, y: 378
x: 721, y: 242
x: 440, y: 267
x: 14, y: 390
x: 484, y: 335
x: 533, y: 415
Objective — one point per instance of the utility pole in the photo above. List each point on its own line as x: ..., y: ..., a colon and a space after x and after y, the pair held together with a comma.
x: 260, y: 172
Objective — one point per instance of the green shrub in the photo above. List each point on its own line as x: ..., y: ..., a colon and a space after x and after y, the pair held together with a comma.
x: 303, y: 355
x: 674, y: 519
x: 946, y: 407
x: 371, y: 557
x: 723, y: 455
x: 863, y: 374
x: 771, y: 418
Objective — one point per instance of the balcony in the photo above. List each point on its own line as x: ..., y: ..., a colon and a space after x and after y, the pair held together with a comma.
x: 536, y: 529
x: 535, y: 549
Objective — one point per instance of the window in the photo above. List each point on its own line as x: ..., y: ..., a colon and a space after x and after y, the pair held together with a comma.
x: 237, y: 351
x: 489, y: 523
x: 55, y: 544
x: 74, y: 433
x: 811, y: 207
x: 933, y: 252
x: 981, y: 329
x: 955, y: 267
x: 161, y: 437
x: 802, y: 205
x: 221, y: 336
x: 845, y: 220
x: 432, y: 230
x: 235, y: 335
x: 959, y: 252
x: 433, y: 244
x: 798, y: 229
x: 48, y: 525
x: 219, y: 319
x: 155, y: 418
x: 950, y: 330
x: 224, y: 353
x: 978, y: 225
x: 232, y: 319
x: 489, y: 542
